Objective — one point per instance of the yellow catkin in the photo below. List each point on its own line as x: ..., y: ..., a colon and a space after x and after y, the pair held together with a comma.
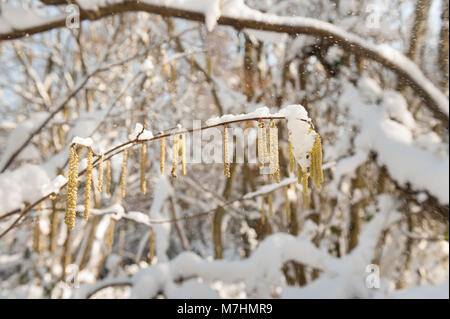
x: 192, y: 62
x: 263, y: 211
x: 261, y: 143
x: 61, y: 134
x: 175, y: 153
x: 53, y: 228
x: 265, y: 146
x: 269, y: 202
x: 288, y: 204
x: 271, y: 161
x: 300, y: 173
x: 123, y: 180
x: 162, y: 158
x: 110, y: 235
x: 316, y: 162
x: 67, y: 255
x: 72, y: 188
x: 87, y: 193
x: 226, y: 153
x: 108, y: 177
x: 36, y: 235
x: 312, y: 166
x: 319, y: 157
x: 173, y: 73
x: 208, y: 63
x: 183, y: 153
x: 291, y: 158
x: 143, y: 181
x: 274, y: 161
x: 165, y: 66
x: 305, y: 189
x: 100, y: 173
x: 151, y: 252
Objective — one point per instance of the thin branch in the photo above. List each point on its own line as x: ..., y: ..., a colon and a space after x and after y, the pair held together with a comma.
x: 59, y: 108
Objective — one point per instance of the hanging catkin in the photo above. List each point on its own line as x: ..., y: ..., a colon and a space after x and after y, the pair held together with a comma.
x: 87, y: 193
x: 226, y: 152
x: 143, y: 182
x: 305, y: 189
x: 72, y: 188
x: 53, y: 228
x: 183, y: 153
x: 165, y: 66
x: 208, y: 63
x: 291, y: 158
x: 288, y: 204
x: 273, y: 149
x: 175, y: 153
x: 269, y: 201
x: 299, y: 173
x: 173, y: 77
x: 262, y: 149
x: 36, y: 235
x: 151, y: 252
x: 100, y: 173
x: 108, y: 177
x: 162, y: 157
x: 123, y: 180
x: 173, y: 73
x: 316, y: 162
x: 110, y: 235
x: 263, y: 211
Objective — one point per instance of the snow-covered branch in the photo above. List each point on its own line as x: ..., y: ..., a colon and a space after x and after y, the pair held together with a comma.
x: 236, y: 14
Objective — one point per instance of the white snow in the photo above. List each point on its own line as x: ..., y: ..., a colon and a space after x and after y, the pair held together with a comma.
x: 301, y: 136
x: 258, y: 113
x: 163, y: 190
x: 19, y: 135
x: 54, y: 185
x: 140, y: 133
x: 394, y: 144
x: 82, y: 141
x: 21, y: 185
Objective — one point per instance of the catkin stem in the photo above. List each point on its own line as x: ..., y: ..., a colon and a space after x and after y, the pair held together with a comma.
x: 143, y: 182
x: 72, y: 188
x: 87, y: 193
x: 123, y: 181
